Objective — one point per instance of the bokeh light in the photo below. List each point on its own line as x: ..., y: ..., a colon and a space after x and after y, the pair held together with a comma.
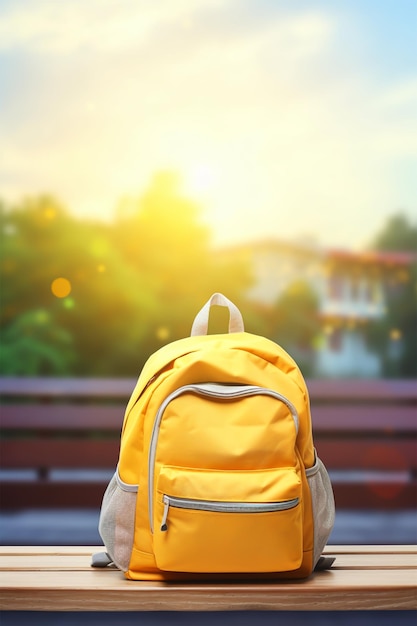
x: 61, y: 287
x: 162, y: 333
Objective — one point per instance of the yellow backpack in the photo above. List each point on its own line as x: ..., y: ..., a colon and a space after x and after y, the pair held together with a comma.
x: 217, y: 475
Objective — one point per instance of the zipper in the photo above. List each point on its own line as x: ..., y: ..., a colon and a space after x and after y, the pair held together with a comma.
x: 210, y: 390
x: 224, y: 507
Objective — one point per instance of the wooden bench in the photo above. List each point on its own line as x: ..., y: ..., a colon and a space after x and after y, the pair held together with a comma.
x: 60, y: 440
x: 61, y: 579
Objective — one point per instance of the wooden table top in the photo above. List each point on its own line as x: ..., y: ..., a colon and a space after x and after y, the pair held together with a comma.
x: 61, y: 579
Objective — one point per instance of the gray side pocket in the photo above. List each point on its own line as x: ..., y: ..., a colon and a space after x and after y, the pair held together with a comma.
x: 117, y: 520
x: 323, y: 506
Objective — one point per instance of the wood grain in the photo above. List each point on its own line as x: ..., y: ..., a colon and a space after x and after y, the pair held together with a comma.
x: 61, y: 579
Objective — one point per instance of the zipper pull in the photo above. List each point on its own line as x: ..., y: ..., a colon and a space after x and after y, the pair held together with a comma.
x: 164, y: 526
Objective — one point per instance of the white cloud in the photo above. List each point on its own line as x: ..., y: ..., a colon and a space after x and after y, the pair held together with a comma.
x: 401, y: 94
x: 395, y: 108
x: 47, y: 26
x: 308, y: 33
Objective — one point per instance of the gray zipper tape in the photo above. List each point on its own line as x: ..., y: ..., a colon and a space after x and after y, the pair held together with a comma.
x: 216, y: 506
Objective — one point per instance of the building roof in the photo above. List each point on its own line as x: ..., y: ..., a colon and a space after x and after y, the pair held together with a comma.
x: 375, y: 257
x: 312, y: 249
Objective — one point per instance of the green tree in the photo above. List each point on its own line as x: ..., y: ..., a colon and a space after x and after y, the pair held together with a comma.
x: 397, y: 235
x: 295, y: 323
x: 123, y: 290
x: 102, y: 318
x: 33, y: 345
x: 162, y: 236
x: 32, y: 340
x: 395, y: 336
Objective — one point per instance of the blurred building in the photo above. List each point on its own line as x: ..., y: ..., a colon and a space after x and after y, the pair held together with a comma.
x: 352, y: 290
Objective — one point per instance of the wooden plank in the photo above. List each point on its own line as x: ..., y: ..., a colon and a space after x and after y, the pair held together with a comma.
x: 14, y: 386
x: 107, y: 590
x: 78, y: 562
x: 364, y: 549
x: 375, y: 495
x: 361, y: 389
x: 359, y: 549
x: 64, y: 550
x: 59, y: 453
x: 373, y: 453
x: 396, y: 455
x: 47, y: 562
x: 16, y: 495
x: 381, y: 390
x: 364, y: 418
x: 375, y: 562
x: 331, y: 417
x: 62, y: 417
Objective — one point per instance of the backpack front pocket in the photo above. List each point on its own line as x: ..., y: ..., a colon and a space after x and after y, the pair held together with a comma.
x: 228, y: 521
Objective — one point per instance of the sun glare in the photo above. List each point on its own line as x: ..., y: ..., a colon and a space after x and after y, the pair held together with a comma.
x: 200, y: 179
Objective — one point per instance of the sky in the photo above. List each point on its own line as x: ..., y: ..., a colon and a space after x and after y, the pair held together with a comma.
x: 287, y: 119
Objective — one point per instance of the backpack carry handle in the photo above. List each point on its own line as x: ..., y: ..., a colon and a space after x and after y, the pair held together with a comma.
x: 200, y: 324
